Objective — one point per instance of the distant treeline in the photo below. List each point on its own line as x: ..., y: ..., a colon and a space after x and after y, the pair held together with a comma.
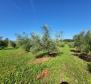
x: 4, y: 43
x: 68, y: 40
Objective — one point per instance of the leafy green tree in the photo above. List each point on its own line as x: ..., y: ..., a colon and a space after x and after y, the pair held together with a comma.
x: 3, y: 42
x: 6, y: 42
x: 48, y: 44
x: 45, y: 38
x: 87, y: 42
x: 79, y: 40
x: 11, y: 44
x: 83, y: 41
x: 58, y: 40
x: 35, y: 42
x: 23, y: 41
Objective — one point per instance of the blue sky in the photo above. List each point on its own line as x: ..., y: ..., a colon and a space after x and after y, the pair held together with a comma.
x: 69, y: 16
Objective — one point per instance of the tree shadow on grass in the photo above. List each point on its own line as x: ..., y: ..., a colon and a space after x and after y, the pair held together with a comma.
x: 64, y: 82
x: 48, y: 54
x: 75, y: 51
x: 83, y: 56
x: 89, y: 67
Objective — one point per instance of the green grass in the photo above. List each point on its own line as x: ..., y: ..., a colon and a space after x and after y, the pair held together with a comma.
x: 16, y: 68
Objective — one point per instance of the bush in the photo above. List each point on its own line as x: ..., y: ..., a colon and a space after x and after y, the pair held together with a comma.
x: 71, y: 44
x: 2, y: 44
x: 62, y: 45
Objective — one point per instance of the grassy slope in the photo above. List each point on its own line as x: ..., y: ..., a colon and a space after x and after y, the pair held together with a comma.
x: 16, y: 67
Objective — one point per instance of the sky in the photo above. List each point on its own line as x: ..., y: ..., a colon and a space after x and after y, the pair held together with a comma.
x: 69, y: 16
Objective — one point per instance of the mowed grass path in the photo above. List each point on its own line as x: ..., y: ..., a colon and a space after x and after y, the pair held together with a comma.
x: 16, y: 67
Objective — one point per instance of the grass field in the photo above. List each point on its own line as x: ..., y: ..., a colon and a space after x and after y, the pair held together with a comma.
x: 17, y: 67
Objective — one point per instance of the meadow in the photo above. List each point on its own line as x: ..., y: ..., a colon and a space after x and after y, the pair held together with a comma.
x: 45, y: 41
x: 19, y: 67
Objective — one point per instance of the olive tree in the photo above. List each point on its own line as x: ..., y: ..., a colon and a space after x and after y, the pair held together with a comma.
x: 83, y: 41
x: 23, y: 41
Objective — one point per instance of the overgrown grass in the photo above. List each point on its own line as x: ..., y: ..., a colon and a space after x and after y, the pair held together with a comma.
x: 15, y: 68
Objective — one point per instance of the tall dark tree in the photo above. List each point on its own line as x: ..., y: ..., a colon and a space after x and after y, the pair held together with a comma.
x: 6, y: 42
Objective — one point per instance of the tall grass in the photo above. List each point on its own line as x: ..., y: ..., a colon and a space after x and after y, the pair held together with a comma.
x: 16, y: 69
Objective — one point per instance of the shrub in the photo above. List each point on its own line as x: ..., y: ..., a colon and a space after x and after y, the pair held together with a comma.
x: 62, y: 45
x: 3, y: 43
x: 71, y: 44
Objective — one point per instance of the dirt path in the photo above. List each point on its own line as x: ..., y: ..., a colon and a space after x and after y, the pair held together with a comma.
x: 39, y: 60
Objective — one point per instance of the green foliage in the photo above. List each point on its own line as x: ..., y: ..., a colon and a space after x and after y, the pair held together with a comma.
x: 46, y: 38
x: 41, y: 54
x: 47, y: 43
x: 68, y: 40
x: 23, y: 41
x: 89, y: 67
x: 62, y: 44
x: 4, y: 43
x: 83, y: 41
x: 78, y: 40
x: 13, y: 44
x: 37, y: 43
x: 16, y: 67
x: 71, y: 44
